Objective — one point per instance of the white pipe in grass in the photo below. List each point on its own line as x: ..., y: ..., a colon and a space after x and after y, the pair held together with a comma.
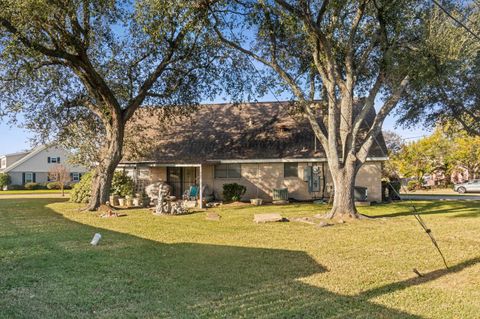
x: 96, y: 239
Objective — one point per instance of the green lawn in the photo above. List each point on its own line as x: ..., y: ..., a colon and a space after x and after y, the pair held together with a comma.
x: 33, y: 192
x: 187, y: 267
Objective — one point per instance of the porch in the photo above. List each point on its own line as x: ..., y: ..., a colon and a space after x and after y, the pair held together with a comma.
x: 179, y: 176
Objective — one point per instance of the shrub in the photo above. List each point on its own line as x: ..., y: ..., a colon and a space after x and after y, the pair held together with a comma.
x: 413, y: 185
x: 34, y: 186
x: 233, y: 192
x: 15, y: 187
x: 81, y: 191
x: 4, y: 180
x: 54, y: 185
x: 122, y: 185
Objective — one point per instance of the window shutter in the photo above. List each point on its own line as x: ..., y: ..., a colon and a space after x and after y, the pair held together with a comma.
x: 49, y: 160
x: 71, y: 176
x: 34, y: 177
x: 58, y: 160
x: 23, y: 178
x: 79, y: 176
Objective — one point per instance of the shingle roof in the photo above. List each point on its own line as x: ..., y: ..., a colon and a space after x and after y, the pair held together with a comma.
x: 226, y: 131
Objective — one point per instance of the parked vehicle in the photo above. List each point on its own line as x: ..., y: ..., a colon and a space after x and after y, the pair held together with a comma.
x: 468, y: 187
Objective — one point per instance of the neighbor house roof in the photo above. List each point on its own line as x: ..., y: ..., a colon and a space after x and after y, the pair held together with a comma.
x: 216, y: 132
x: 15, y: 154
x: 30, y: 154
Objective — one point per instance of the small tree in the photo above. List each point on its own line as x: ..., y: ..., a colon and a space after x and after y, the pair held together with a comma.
x: 4, y: 180
x: 61, y: 175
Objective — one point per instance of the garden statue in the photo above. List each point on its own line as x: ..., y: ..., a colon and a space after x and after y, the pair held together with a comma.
x: 165, y: 204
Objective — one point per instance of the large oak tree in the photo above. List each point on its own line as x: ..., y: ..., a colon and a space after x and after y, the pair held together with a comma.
x: 337, y: 58
x: 78, y: 69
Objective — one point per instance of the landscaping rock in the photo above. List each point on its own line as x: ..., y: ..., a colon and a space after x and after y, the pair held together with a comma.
x: 213, y: 216
x: 268, y: 218
x: 213, y: 204
x: 306, y: 220
x: 341, y: 221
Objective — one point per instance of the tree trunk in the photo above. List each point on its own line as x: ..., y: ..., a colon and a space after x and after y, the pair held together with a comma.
x: 343, y: 198
x: 103, y: 174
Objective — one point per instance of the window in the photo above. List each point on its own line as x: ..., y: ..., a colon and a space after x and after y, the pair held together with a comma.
x: 228, y: 171
x: 75, y: 177
x: 55, y: 160
x: 290, y: 170
x: 28, y: 178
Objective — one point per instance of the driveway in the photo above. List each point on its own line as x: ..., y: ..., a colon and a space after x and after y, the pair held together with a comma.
x: 440, y: 197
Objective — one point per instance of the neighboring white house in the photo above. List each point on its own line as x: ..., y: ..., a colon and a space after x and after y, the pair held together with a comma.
x: 33, y: 166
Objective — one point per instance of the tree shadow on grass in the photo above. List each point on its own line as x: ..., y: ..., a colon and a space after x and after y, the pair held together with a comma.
x: 461, y: 209
x: 49, y: 269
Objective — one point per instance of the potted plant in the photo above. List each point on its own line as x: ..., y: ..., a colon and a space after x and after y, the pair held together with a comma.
x: 137, y: 202
x: 256, y: 201
x: 129, y: 200
x: 121, y: 201
x: 114, y: 200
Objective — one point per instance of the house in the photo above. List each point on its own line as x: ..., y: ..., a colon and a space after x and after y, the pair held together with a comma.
x: 263, y: 146
x: 33, y: 166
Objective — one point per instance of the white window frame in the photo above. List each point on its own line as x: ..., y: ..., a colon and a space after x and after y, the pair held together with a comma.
x: 27, y: 178
x: 75, y: 177
x: 228, y: 171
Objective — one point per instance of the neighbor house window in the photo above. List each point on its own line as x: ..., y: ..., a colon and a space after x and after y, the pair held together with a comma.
x: 28, y: 178
x: 75, y: 177
x: 55, y: 160
x: 228, y: 171
x: 290, y: 170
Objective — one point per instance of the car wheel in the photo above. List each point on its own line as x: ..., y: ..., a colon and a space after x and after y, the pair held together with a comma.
x: 461, y: 190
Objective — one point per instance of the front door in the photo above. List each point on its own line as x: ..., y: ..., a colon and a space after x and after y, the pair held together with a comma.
x: 180, y: 179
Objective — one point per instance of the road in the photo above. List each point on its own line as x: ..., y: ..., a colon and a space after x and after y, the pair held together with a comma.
x: 440, y: 197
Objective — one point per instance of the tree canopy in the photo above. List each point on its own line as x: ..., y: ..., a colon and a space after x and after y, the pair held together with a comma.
x: 450, y: 91
x: 79, y: 69
x: 337, y: 59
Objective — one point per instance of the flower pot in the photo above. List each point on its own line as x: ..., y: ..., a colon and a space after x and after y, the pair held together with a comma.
x: 114, y: 200
x: 121, y: 202
x: 129, y: 202
x: 137, y: 202
x: 256, y: 201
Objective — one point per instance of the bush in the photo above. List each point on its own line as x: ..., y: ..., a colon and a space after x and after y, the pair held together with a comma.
x: 4, y: 180
x: 54, y: 185
x: 122, y: 185
x: 15, y: 187
x: 233, y: 192
x: 413, y: 185
x: 34, y: 186
x: 81, y: 191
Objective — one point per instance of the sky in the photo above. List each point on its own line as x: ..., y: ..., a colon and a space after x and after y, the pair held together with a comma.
x: 14, y: 139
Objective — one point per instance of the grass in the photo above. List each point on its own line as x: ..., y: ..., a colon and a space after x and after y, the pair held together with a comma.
x: 187, y: 267
x: 33, y: 192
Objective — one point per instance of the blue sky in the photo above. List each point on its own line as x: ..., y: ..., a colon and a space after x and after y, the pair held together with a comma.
x: 14, y: 139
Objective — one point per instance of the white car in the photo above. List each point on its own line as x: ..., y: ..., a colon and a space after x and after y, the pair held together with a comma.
x: 468, y: 187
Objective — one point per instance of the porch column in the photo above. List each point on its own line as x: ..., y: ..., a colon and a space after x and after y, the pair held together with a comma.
x: 201, y: 187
